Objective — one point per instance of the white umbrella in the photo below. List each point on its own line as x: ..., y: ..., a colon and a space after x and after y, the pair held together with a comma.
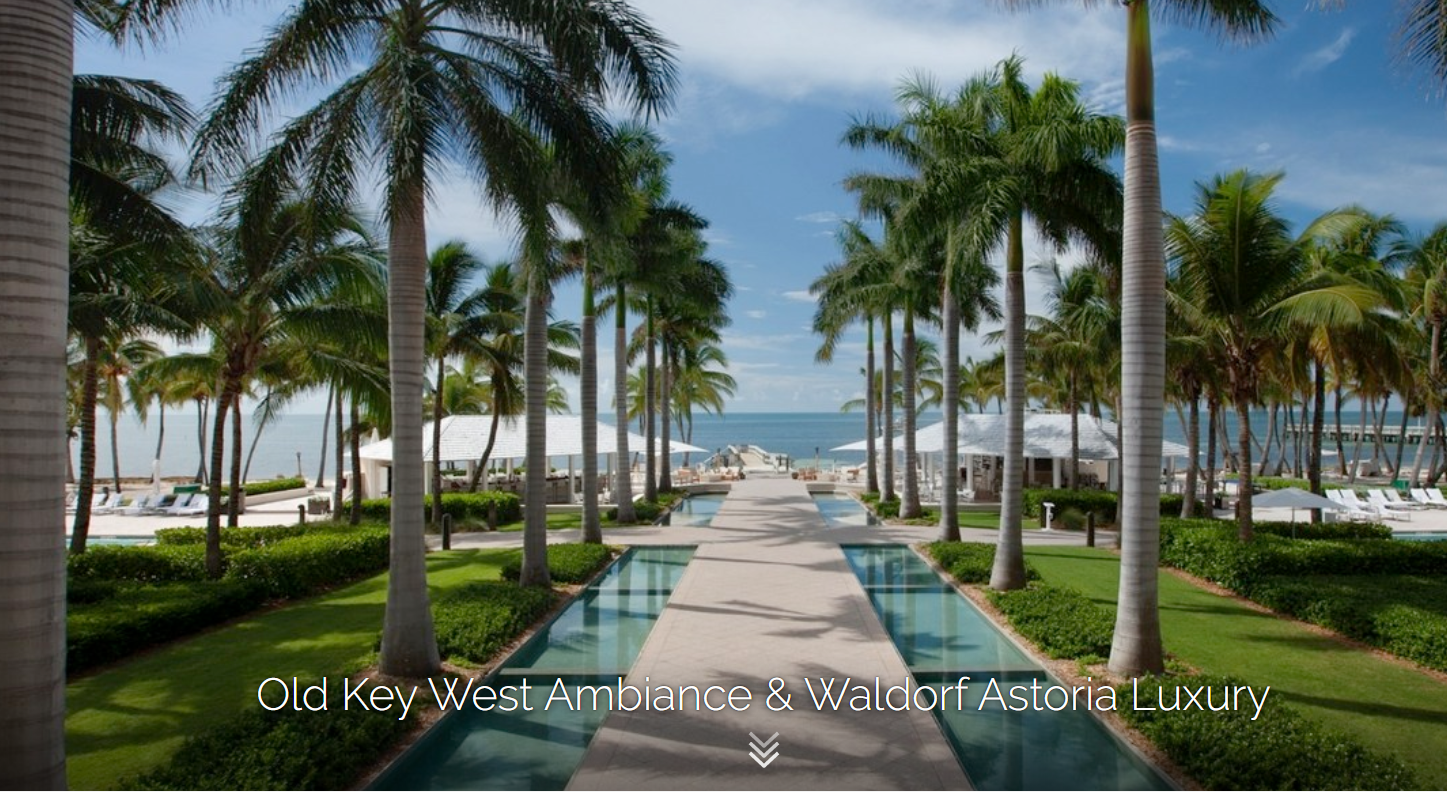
x: 1293, y: 498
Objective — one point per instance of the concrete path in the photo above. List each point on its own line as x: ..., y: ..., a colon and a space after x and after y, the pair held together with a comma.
x: 769, y: 594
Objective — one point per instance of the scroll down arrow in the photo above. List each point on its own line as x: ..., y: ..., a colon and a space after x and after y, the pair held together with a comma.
x: 763, y: 763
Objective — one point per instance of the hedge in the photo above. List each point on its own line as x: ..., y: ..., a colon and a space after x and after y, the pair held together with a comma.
x: 645, y: 511
x: 1061, y: 621
x: 285, y: 749
x: 274, y: 485
x: 1278, y: 750
x: 476, y: 621
x: 132, y: 617
x: 462, y: 506
x: 233, y: 537
x: 1101, y: 502
x: 306, y: 564
x: 1282, y: 482
x: 567, y: 563
x: 1336, y: 531
x: 153, y: 564
x: 970, y: 562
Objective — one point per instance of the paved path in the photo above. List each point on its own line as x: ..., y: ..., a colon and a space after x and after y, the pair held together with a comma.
x: 769, y: 594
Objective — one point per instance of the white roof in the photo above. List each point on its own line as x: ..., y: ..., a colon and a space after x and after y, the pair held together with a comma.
x: 465, y: 436
x: 1047, y: 436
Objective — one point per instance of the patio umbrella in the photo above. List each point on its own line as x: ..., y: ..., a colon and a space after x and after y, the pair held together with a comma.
x: 1293, y: 498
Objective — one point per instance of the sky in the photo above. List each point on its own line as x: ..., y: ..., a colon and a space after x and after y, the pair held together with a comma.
x: 767, y: 87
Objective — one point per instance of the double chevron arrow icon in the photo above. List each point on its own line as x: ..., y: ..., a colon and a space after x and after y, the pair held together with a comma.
x: 764, y: 751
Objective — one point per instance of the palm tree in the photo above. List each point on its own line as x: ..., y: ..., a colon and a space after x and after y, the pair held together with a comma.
x: 1136, y: 646
x: 455, y: 322
x: 497, y: 82
x: 1426, y: 260
x: 700, y: 386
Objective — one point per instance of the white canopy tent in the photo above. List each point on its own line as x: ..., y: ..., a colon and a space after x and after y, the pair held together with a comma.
x: 1047, y: 436
x: 465, y: 436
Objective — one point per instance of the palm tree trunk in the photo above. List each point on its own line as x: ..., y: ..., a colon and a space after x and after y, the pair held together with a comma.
x: 1318, y: 418
x: 1136, y: 646
x: 251, y: 449
x: 1341, y: 452
x: 1009, y: 568
x: 1357, y: 446
x: 238, y: 492
x: 910, y: 509
x: 202, y: 404
x: 114, y: 419
x: 161, y: 428
x: 1270, y: 437
x: 437, y: 440
x: 409, y: 645
x: 1193, y: 448
x: 592, y: 526
x: 213, y: 509
x: 35, y: 81
x: 650, y: 462
x: 1402, y: 433
x: 949, y: 494
x: 356, y: 440
x: 871, y: 412
x: 326, y: 428
x: 665, y: 478
x: 85, y: 491
x: 1213, y: 413
x: 887, y: 396
x: 623, y: 484
x: 1434, y: 378
x: 535, y: 377
x: 1074, y: 435
x: 341, y: 448
x: 1243, y: 475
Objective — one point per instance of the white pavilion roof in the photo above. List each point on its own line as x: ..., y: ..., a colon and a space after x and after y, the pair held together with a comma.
x: 465, y: 436
x: 1047, y: 436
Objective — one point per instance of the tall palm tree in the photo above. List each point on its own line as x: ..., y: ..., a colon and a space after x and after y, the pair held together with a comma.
x: 1136, y: 646
x: 455, y: 322
x: 1426, y: 276
x: 495, y: 83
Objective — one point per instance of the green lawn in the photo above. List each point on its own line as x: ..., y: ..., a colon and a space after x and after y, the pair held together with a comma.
x: 132, y: 717
x: 1388, y: 707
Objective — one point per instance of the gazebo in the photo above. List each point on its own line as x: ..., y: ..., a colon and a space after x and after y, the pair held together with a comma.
x: 465, y: 436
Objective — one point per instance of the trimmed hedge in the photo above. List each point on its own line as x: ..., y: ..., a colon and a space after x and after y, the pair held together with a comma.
x: 274, y: 485
x: 567, y: 563
x: 306, y: 564
x: 478, y: 620
x: 1336, y: 531
x: 645, y: 511
x: 1282, y: 482
x: 1278, y: 750
x: 153, y: 564
x: 463, y: 506
x: 233, y: 537
x: 285, y: 749
x: 970, y: 562
x: 1102, y: 503
x: 1061, y: 621
x: 132, y: 617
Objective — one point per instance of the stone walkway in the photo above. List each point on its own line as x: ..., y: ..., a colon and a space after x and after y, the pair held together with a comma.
x: 769, y: 594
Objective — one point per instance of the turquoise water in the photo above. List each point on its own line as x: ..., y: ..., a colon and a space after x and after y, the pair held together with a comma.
x: 696, y: 510
x: 1421, y: 536
x: 943, y: 637
x: 842, y: 511
x: 594, y: 641
x: 122, y: 541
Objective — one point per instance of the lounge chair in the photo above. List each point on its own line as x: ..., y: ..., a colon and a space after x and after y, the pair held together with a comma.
x: 1395, y: 498
x: 1350, y: 510
x: 1377, y: 504
x: 1435, y: 495
x: 1420, y: 496
x: 182, y: 501
x: 199, y: 505
x: 138, y: 506
x: 160, y: 505
x: 108, y: 505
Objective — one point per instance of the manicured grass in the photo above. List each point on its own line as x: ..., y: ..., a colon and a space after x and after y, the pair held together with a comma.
x: 132, y: 717
x: 1388, y: 707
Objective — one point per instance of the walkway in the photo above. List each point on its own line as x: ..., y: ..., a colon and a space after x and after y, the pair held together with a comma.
x: 769, y: 594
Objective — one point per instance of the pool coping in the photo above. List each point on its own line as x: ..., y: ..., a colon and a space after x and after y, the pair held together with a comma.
x: 1118, y: 731
x: 535, y: 633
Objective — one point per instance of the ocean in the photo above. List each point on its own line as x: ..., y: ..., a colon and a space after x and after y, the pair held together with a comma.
x: 295, y: 440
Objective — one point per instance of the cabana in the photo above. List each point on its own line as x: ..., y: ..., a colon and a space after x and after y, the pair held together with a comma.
x: 465, y: 436
x: 1046, y: 449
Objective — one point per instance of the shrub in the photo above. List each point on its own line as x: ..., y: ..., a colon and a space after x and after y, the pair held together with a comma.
x: 1085, y: 501
x: 476, y: 621
x: 133, y: 617
x: 1278, y: 750
x: 156, y: 564
x: 567, y: 563
x: 1073, y: 519
x: 1330, y: 531
x: 275, y: 485
x: 285, y: 749
x: 1171, y: 506
x: 462, y: 506
x: 969, y: 562
x: 233, y: 537
x: 645, y: 511
x: 1281, y: 482
x: 306, y: 564
x: 1061, y: 621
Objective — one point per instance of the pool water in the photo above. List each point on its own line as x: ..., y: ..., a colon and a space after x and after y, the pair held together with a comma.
x: 119, y: 541
x: 942, y: 637
x: 1421, y: 536
x: 594, y: 641
x: 696, y: 510
x: 842, y: 511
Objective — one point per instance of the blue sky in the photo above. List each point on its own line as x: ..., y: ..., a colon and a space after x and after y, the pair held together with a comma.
x: 767, y: 87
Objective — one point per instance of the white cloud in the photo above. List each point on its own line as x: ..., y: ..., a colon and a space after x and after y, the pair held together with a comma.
x: 1321, y: 58
x: 828, y: 218
x: 799, y: 296
x: 756, y: 314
